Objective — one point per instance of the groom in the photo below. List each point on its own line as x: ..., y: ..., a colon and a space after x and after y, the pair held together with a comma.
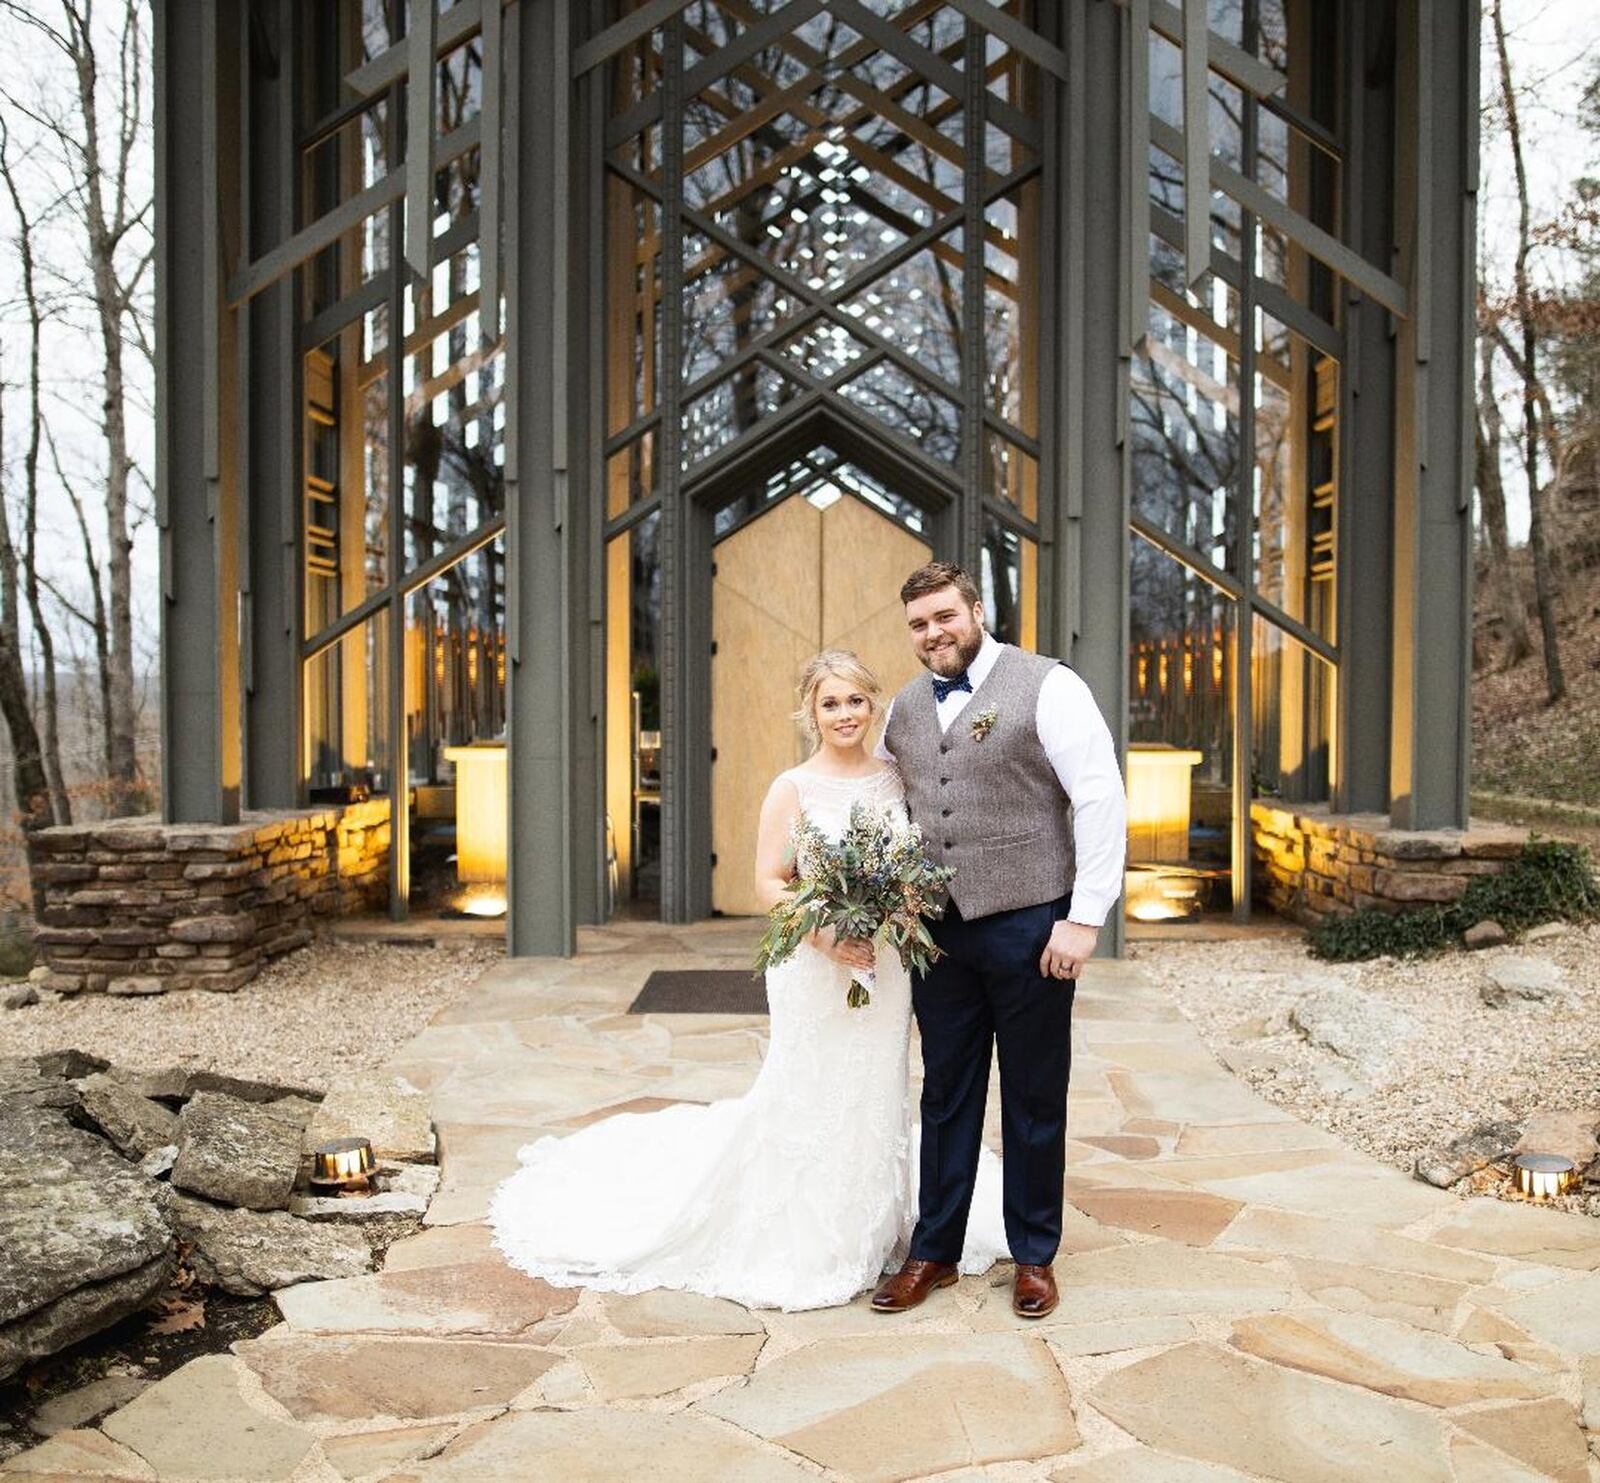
x: 1011, y: 774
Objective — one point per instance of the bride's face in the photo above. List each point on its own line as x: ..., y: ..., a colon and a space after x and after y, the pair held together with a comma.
x: 843, y: 713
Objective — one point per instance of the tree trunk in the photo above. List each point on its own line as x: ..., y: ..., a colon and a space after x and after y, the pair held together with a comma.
x: 1543, y: 576
x: 61, y: 806
x: 27, y: 762
x: 109, y: 306
x: 1492, y: 501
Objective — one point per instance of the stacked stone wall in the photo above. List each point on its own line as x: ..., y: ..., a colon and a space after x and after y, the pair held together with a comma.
x: 1311, y: 863
x: 136, y: 906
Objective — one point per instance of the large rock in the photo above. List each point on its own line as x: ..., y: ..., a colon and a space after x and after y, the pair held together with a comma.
x: 237, y: 1152
x: 83, y: 1237
x: 1467, y: 1153
x: 1571, y: 1133
x: 1352, y: 1023
x: 1521, y: 979
x: 381, y: 1107
x: 249, y: 1252
x: 132, y: 1121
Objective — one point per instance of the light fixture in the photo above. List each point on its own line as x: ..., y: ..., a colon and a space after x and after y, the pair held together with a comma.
x: 1542, y: 1175
x: 345, y: 1163
x: 480, y: 811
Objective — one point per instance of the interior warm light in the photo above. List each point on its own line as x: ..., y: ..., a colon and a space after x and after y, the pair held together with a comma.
x: 480, y: 812
x: 482, y: 904
x: 1163, y: 893
x: 1158, y: 801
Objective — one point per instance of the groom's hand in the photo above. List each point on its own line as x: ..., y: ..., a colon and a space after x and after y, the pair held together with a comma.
x: 1071, y: 945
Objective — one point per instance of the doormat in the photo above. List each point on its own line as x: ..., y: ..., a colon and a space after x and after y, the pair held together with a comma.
x: 701, y: 991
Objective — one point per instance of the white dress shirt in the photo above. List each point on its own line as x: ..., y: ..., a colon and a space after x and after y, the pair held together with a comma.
x: 1078, y: 743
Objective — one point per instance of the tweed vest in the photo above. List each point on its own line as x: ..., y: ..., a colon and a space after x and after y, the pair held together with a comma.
x: 993, y: 806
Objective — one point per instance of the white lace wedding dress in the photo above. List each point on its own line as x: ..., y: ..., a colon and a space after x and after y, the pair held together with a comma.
x: 796, y: 1195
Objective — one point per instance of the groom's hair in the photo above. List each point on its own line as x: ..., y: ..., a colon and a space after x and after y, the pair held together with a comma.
x: 935, y: 577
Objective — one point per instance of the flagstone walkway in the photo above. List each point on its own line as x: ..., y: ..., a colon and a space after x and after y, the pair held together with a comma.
x: 1242, y: 1297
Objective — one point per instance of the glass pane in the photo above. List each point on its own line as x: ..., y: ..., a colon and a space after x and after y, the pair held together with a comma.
x: 633, y: 715
x: 924, y: 417
x: 1180, y: 730
x: 455, y: 652
x: 346, y: 715
x: 1292, y: 697
x: 1013, y: 474
x: 916, y: 306
x: 1009, y: 583
x: 345, y: 479
x: 1011, y: 307
x: 1184, y: 410
x: 731, y: 408
x: 633, y: 305
x: 455, y: 413
x: 631, y: 474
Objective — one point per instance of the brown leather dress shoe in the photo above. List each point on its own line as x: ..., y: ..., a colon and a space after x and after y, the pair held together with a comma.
x: 911, y: 1284
x: 1034, y: 1293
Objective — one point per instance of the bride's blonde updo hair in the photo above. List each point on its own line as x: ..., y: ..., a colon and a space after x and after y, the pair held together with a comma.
x: 842, y: 664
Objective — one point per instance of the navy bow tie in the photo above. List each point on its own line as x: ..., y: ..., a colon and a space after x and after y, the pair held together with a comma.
x: 944, y: 688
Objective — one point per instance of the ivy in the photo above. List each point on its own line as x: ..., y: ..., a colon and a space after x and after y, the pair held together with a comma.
x: 1551, y: 881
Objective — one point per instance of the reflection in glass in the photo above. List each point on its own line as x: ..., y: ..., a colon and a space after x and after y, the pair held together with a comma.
x: 1010, y: 308
x: 633, y: 712
x: 909, y: 407
x: 1180, y: 689
x: 346, y: 714
x: 731, y: 408
x: 1008, y: 583
x: 455, y: 674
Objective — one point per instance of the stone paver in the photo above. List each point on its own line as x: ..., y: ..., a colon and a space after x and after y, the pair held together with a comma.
x: 958, y: 1401
x: 1271, y: 1421
x: 1243, y: 1297
x: 198, y: 1423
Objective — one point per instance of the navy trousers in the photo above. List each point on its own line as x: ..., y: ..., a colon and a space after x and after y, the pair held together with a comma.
x: 986, y: 992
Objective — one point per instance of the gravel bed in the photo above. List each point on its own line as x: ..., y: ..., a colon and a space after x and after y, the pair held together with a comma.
x: 309, y: 1019
x: 1465, y: 1063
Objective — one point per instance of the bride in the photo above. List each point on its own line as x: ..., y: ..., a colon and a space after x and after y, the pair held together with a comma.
x: 799, y: 1193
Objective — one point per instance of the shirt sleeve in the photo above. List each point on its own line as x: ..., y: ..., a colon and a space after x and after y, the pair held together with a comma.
x: 881, y: 751
x: 1078, y: 742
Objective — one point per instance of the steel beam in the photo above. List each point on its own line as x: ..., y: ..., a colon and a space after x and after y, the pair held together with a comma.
x: 197, y: 475
x: 271, y: 604
x: 1436, y: 187
x: 543, y: 896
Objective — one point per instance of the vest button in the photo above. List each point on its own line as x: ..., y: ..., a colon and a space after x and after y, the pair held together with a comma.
x: 943, y: 781
x: 944, y: 746
x: 949, y: 845
x: 945, y: 812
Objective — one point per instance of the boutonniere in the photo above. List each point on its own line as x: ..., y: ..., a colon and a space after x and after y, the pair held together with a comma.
x: 983, y: 722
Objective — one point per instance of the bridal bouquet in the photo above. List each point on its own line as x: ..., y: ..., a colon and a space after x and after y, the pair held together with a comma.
x: 877, y: 877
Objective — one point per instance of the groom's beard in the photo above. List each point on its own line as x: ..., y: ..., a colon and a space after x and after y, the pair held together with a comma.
x: 948, y: 663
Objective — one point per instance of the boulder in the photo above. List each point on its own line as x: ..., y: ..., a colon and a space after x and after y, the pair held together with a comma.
x: 19, y: 996
x: 134, y: 1123
x: 1487, y: 933
x: 379, y: 1106
x: 1570, y: 1133
x: 83, y: 1235
x: 1511, y: 979
x: 1467, y: 1153
x: 1360, y: 1027
x: 248, y: 1252
x: 243, y: 1088
x: 237, y: 1152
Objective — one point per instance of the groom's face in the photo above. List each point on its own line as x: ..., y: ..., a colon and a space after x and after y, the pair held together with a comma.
x: 946, y: 631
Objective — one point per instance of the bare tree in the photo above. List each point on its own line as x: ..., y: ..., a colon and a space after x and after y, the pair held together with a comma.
x: 1492, y: 501
x: 1532, y: 391
x: 111, y: 213
x: 49, y: 707
x: 27, y: 763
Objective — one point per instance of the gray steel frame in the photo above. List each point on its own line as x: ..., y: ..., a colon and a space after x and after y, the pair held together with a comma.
x: 227, y: 424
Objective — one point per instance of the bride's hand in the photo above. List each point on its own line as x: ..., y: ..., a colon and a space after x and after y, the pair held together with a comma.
x: 851, y: 952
